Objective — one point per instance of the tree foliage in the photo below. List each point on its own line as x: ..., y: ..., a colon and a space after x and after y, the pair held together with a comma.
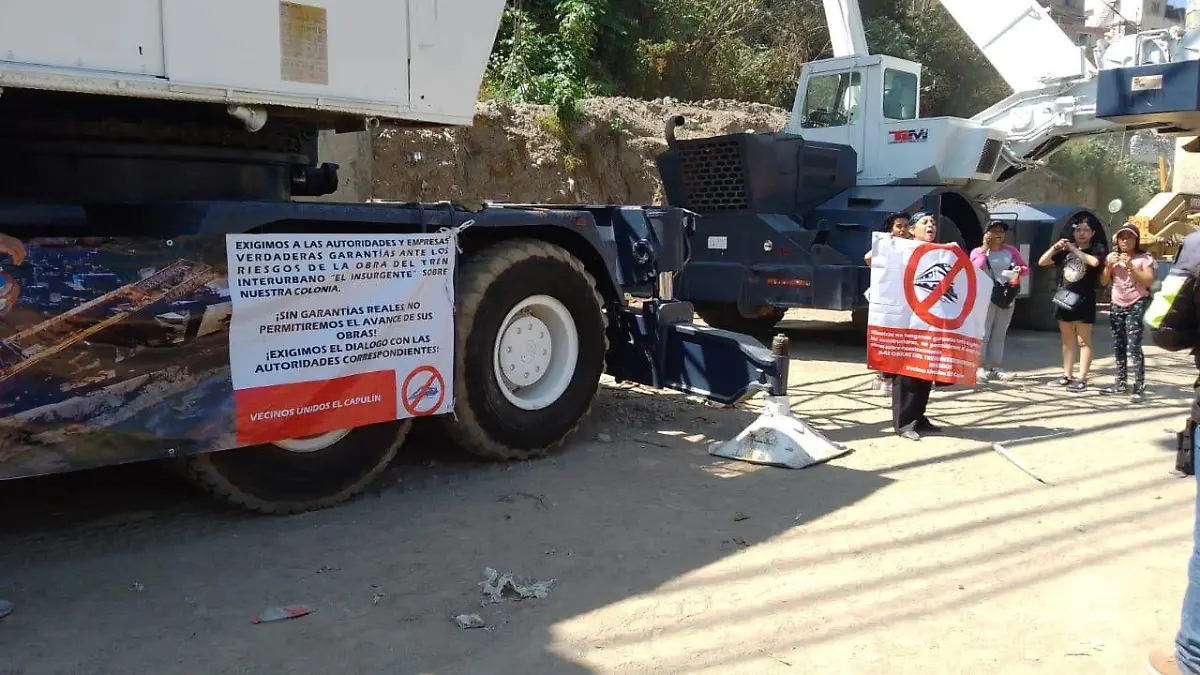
x: 1095, y: 171
x: 557, y: 51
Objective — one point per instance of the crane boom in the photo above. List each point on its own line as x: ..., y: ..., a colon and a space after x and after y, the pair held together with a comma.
x: 846, y: 31
x: 1004, y: 31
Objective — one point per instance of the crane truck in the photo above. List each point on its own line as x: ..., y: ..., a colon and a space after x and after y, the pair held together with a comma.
x: 785, y: 218
x: 168, y: 292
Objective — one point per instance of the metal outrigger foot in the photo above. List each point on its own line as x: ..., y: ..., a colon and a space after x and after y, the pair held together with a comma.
x: 778, y: 437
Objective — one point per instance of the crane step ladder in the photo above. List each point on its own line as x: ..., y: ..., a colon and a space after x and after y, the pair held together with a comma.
x: 22, y: 350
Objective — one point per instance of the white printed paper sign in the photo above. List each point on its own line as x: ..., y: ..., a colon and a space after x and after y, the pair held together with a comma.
x: 337, y: 331
x: 927, y: 312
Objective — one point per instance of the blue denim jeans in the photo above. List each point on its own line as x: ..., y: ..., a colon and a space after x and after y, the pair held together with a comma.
x: 1187, y: 642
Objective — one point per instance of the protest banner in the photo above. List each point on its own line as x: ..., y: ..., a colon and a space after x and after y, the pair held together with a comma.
x: 928, y: 305
x: 336, y: 331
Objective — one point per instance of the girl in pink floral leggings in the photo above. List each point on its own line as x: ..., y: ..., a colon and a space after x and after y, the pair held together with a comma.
x: 1130, y: 271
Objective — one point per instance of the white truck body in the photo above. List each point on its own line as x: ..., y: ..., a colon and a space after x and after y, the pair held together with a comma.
x: 404, y: 60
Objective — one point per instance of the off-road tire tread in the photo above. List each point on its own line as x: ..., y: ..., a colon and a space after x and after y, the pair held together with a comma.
x: 725, y: 316
x: 201, y: 472
x: 479, y: 272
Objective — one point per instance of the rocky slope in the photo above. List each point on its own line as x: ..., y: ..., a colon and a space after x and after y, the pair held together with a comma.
x: 519, y: 153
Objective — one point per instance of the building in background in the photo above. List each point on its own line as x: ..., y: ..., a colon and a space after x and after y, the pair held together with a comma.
x: 1071, y: 16
x: 1129, y: 15
x: 1086, y: 21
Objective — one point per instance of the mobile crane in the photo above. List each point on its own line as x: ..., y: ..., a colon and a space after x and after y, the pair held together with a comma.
x: 785, y: 218
x: 142, y: 139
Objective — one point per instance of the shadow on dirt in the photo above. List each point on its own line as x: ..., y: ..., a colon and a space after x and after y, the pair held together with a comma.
x: 127, y: 570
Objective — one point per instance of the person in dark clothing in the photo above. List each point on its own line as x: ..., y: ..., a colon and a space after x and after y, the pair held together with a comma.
x: 1079, y: 256
x: 910, y: 395
x: 1174, y: 324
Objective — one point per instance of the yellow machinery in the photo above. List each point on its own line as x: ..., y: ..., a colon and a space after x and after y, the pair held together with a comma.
x: 1165, y: 220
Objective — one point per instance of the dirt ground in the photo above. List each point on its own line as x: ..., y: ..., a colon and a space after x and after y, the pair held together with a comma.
x: 924, y: 558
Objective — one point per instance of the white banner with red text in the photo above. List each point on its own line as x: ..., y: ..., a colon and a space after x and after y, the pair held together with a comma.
x: 928, y: 306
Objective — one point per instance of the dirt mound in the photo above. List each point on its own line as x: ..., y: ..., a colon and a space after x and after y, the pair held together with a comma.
x: 520, y: 153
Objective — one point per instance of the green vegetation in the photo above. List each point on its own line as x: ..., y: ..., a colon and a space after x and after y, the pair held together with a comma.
x: 1095, y: 171
x: 558, y: 52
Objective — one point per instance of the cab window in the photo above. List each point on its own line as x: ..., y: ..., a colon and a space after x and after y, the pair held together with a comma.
x: 832, y: 100
x: 899, y: 95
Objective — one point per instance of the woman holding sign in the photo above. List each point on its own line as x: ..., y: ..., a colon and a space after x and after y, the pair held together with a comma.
x: 1078, y: 258
x: 910, y: 395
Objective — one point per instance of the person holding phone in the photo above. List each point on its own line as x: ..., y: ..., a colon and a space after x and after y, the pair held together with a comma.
x: 1078, y: 255
x: 1005, y: 266
x: 1130, y: 271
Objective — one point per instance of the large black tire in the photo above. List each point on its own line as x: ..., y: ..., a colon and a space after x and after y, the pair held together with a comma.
x: 1037, y: 311
x: 726, y: 316
x: 269, y: 479
x: 492, y: 283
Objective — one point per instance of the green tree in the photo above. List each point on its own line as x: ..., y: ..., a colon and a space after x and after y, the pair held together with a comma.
x: 543, y: 54
x: 557, y: 51
x: 1095, y: 171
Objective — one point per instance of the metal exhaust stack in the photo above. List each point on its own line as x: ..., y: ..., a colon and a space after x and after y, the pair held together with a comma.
x: 778, y: 437
x: 669, y: 128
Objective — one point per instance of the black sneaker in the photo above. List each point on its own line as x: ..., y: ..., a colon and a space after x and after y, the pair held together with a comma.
x: 1077, y: 386
x: 1139, y: 395
x: 1118, y: 388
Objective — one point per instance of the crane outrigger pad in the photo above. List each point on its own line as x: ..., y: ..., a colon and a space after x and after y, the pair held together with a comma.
x: 779, y: 438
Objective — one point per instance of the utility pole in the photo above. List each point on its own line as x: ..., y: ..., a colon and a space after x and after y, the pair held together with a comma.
x: 1192, y: 18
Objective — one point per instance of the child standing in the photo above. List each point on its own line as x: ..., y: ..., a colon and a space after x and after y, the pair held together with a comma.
x: 1130, y: 270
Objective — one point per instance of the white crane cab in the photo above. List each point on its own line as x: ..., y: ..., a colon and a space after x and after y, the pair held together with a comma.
x: 872, y: 103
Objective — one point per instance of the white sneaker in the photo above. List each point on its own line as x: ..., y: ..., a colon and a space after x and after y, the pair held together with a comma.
x: 983, y: 374
x: 1002, y: 375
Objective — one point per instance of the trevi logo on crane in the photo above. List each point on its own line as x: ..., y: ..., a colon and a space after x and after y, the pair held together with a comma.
x: 908, y: 136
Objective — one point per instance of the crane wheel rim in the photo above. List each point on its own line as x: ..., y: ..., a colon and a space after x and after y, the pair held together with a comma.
x: 314, y: 443
x: 535, y: 352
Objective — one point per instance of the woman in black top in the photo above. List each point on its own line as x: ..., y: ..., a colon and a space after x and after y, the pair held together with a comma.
x: 1078, y: 255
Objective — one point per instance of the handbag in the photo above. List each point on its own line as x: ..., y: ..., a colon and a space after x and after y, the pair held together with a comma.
x: 1067, y: 300
x: 1003, y: 294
